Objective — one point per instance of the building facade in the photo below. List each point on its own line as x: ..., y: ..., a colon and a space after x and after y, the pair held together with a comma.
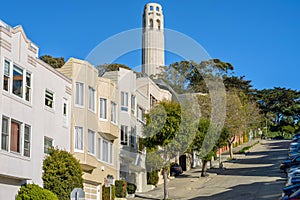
x: 94, y: 125
x: 136, y: 97
x: 35, y: 111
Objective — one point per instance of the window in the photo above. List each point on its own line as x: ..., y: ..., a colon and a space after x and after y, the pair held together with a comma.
x: 27, y: 140
x: 28, y: 87
x: 141, y: 114
x: 91, y: 142
x: 91, y: 99
x: 103, y: 108
x: 107, y: 151
x: 49, y: 98
x: 65, y: 113
x: 157, y: 8
x: 17, y: 81
x: 6, y: 77
x: 15, y: 136
x: 111, y: 153
x: 151, y: 8
x: 124, y: 135
x: 5, y: 135
x: 151, y: 23
x: 48, y: 143
x: 158, y: 24
x: 79, y: 93
x: 99, y: 148
x: 113, y: 112
x: 78, y: 138
x: 153, y: 101
x: 124, y: 101
x: 132, y: 104
x: 13, y: 142
x: 133, y: 137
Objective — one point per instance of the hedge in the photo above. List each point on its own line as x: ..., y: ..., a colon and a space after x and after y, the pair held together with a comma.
x: 35, y: 192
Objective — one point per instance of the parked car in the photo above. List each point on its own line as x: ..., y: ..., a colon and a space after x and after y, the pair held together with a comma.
x: 294, y: 146
x: 289, y: 163
x: 293, y: 180
x: 288, y: 190
x: 293, y: 169
x: 293, y: 153
x: 294, y: 196
x: 294, y: 173
x: 175, y: 169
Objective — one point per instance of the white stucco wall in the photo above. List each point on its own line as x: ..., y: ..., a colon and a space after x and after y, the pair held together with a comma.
x: 15, y: 167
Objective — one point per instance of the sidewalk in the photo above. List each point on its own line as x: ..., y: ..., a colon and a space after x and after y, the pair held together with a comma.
x: 225, y: 155
x: 190, y: 178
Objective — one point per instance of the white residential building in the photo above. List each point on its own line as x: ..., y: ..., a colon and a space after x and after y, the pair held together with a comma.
x: 35, y: 111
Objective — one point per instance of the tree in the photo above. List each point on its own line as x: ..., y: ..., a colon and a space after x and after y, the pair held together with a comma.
x: 52, y: 61
x: 189, y: 76
x: 207, y: 141
x: 62, y: 173
x: 235, y: 118
x: 280, y: 106
x: 168, y: 132
x: 110, y: 67
x: 33, y: 191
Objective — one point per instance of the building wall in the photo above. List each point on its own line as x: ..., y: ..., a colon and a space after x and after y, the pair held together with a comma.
x: 15, y: 167
x: 94, y: 166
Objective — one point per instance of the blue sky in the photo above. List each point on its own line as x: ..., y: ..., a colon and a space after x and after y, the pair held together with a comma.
x: 261, y: 38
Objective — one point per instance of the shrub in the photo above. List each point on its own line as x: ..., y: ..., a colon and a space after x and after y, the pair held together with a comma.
x: 62, y: 173
x: 33, y: 191
x: 106, y: 192
x: 152, y: 178
x: 121, y: 188
x: 131, y: 188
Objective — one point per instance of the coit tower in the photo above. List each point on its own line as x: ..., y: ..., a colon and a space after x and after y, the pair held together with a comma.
x: 153, y: 54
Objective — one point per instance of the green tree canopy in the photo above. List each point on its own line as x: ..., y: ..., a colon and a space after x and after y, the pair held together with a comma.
x: 280, y: 106
x: 62, y: 173
x: 54, y: 62
x: 110, y: 67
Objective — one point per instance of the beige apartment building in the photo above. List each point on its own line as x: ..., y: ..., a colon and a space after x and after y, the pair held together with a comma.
x: 94, y: 124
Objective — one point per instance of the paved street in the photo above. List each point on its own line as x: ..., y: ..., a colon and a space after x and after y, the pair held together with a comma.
x: 255, y: 176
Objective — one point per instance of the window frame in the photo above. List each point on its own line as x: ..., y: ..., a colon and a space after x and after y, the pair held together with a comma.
x: 6, y: 135
x: 49, y: 99
x: 47, y: 139
x: 76, y: 137
x: 27, y: 141
x: 113, y: 112
x: 16, y: 68
x: 124, y: 101
x: 124, y: 135
x: 65, y: 112
x: 141, y: 118
x: 102, y: 105
x: 92, y: 100
x: 93, y: 144
x: 8, y: 75
x: 79, y: 94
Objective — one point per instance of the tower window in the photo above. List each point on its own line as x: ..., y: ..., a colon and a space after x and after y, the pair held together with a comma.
x: 151, y: 23
x: 158, y: 24
x: 157, y: 8
x: 151, y: 8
